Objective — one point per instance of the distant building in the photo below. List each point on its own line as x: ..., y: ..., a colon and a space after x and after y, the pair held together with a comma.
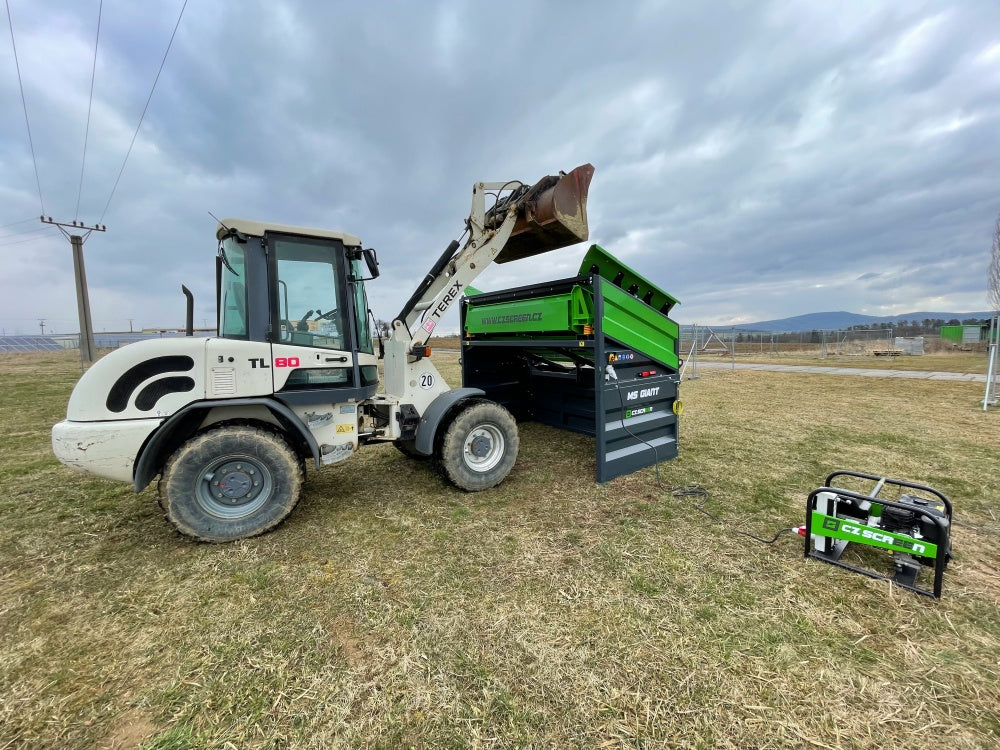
x: 972, y: 334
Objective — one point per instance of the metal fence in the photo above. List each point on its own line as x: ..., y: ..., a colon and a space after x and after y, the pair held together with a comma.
x: 992, y: 397
x: 731, y: 341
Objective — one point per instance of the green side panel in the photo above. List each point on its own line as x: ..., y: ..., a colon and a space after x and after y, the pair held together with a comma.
x: 471, y: 291
x: 600, y: 261
x: 639, y: 327
x: 839, y: 528
x: 952, y: 333
x: 555, y: 313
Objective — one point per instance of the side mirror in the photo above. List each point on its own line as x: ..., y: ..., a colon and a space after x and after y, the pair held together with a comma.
x: 371, y: 260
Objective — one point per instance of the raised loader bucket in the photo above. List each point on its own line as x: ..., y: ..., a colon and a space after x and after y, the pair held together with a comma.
x: 553, y: 215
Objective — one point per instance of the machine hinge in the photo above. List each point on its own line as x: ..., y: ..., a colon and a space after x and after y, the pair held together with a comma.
x: 409, y: 419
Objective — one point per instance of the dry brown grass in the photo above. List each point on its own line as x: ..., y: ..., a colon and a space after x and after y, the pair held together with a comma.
x: 392, y: 611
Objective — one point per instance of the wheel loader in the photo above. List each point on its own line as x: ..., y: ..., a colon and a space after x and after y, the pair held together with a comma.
x: 230, y: 422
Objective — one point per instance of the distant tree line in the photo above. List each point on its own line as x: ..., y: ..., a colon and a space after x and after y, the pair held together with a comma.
x: 925, y: 327
x: 815, y: 336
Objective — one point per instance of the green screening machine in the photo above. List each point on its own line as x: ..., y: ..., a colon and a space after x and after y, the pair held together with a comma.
x: 595, y: 354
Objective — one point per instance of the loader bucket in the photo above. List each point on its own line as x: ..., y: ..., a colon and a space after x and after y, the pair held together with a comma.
x: 554, y: 215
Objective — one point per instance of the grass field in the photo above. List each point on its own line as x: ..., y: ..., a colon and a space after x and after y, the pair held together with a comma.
x: 393, y: 611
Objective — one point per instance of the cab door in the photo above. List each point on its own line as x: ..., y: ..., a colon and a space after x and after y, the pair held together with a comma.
x: 312, y: 343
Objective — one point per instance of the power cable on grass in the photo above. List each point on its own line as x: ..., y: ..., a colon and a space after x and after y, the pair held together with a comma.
x: 693, y: 490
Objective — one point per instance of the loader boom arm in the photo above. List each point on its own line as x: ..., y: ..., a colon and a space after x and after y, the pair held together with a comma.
x: 525, y: 221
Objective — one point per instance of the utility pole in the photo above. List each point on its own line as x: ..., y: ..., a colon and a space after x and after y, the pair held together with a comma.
x: 82, y: 297
x: 130, y: 325
x: 41, y: 323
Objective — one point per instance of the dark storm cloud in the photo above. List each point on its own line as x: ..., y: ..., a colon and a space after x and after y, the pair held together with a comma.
x: 759, y: 160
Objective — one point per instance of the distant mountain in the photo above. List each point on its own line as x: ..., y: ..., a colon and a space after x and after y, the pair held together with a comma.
x: 834, y: 321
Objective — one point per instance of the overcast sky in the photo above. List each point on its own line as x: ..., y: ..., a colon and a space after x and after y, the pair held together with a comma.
x: 755, y: 159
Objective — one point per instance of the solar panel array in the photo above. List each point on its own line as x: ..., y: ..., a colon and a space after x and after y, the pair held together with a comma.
x: 62, y: 342
x: 29, y: 344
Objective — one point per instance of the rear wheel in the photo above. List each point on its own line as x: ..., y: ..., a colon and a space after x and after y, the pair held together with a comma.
x: 479, y: 447
x: 230, y: 483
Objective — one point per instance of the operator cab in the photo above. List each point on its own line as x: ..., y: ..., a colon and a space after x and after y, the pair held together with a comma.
x: 298, y: 287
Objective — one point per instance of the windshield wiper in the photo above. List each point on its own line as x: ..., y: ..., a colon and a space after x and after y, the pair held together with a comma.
x: 225, y: 260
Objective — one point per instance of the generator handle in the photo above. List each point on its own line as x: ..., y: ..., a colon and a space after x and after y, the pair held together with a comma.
x: 882, y: 481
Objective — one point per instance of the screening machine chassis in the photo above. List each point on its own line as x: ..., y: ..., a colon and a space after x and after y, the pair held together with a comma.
x: 595, y: 354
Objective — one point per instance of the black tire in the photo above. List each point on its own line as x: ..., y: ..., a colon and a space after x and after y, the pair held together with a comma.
x: 479, y: 446
x: 408, y: 449
x: 259, y: 484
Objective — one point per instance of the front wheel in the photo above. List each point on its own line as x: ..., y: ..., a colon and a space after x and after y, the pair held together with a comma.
x: 230, y: 483
x: 479, y: 447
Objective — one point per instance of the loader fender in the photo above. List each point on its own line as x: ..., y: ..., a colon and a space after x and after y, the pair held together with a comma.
x: 431, y: 419
x: 183, y: 423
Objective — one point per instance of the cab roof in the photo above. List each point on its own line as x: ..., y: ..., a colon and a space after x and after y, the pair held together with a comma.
x: 258, y: 229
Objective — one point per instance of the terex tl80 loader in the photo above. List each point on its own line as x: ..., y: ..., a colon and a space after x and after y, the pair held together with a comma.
x: 229, y: 422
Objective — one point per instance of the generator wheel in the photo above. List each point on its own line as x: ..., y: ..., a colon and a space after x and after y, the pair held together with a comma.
x: 479, y: 447
x: 230, y: 483
x: 408, y: 449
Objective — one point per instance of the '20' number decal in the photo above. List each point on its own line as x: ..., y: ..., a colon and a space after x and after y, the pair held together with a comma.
x: 426, y: 381
x: 286, y: 361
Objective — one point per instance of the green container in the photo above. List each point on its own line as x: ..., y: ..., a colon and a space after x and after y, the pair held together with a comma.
x: 559, y: 314
x: 952, y: 334
x: 634, y: 311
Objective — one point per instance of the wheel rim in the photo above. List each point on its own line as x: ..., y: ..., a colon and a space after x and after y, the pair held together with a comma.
x: 234, y: 487
x: 484, y: 447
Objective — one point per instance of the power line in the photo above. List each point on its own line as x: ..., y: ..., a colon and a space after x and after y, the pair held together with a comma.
x: 32, y: 230
x: 22, y: 221
x: 21, y: 242
x: 143, y: 115
x: 90, y: 104
x: 24, y: 105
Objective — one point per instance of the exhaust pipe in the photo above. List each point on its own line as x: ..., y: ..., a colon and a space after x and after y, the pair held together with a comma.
x: 552, y: 214
x: 189, y: 320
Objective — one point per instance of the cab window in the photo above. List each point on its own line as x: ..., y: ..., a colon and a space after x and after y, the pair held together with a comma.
x: 361, y: 309
x: 233, y: 291
x: 309, y: 284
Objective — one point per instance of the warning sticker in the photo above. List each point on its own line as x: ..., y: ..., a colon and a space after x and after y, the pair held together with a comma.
x: 345, y: 428
x: 429, y: 326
